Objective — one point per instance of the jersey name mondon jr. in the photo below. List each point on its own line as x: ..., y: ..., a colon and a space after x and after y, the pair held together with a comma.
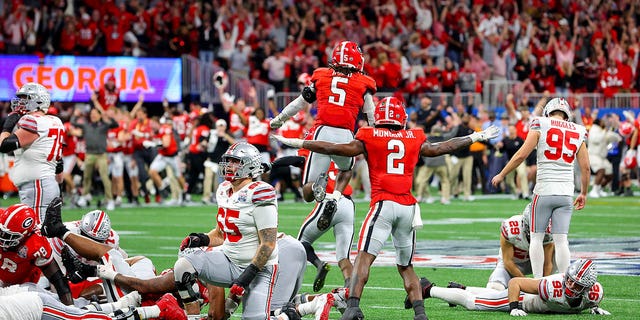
x: 391, y: 134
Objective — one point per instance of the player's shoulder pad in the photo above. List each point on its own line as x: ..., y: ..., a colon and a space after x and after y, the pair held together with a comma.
x: 28, y: 122
x: 370, y: 84
x: 262, y: 193
x: 320, y: 72
x: 38, y: 246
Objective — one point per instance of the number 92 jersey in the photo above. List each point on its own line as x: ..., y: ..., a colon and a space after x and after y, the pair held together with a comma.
x: 38, y: 159
x: 557, y: 147
x: 239, y: 223
x: 552, y: 297
x: 340, y: 97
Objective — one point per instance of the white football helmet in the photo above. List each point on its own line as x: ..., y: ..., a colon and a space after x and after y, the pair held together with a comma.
x: 583, y: 274
x: 250, y: 162
x: 96, y: 225
x: 558, y: 104
x: 31, y: 97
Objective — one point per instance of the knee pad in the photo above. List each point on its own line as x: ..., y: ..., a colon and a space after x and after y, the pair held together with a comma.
x: 185, y: 277
x: 495, y: 286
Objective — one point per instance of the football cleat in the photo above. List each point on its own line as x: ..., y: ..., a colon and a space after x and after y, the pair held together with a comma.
x: 319, y: 187
x: 323, y: 306
x: 340, y: 296
x: 289, y: 309
x: 456, y: 285
x: 170, y: 309
x: 301, y: 298
x: 318, y: 282
x: 353, y: 313
x: 425, y: 286
x: 52, y: 226
x: 329, y: 210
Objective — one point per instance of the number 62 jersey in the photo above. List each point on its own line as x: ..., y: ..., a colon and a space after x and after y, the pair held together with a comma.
x: 39, y: 159
x: 557, y: 147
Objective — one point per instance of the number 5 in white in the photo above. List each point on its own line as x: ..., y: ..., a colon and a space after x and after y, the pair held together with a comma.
x: 397, y: 148
x: 342, y: 95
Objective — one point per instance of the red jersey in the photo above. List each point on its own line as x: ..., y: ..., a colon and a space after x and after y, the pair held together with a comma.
x: 340, y: 97
x: 141, y: 131
x: 182, y: 123
x: 258, y: 132
x: 198, y: 134
x: 172, y: 149
x: 108, y: 98
x: 291, y: 129
x: 70, y: 141
x: 86, y: 34
x: 22, y: 263
x: 392, y: 157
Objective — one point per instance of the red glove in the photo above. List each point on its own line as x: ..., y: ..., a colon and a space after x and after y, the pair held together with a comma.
x: 238, y: 286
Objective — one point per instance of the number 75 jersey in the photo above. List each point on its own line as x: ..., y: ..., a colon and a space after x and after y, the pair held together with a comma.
x: 556, y: 151
x: 39, y: 159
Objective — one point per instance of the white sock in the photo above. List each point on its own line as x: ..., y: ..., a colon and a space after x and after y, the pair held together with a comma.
x: 536, y: 253
x: 455, y: 296
x: 563, y: 256
x: 149, y: 312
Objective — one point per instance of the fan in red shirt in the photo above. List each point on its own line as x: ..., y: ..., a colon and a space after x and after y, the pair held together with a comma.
x: 87, y: 35
x: 258, y: 133
x: 341, y: 91
x: 392, y: 153
x: 25, y: 254
x: 108, y: 95
x: 198, y: 150
x: 167, y: 143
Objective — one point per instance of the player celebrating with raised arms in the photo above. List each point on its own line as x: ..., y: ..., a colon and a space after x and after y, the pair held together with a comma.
x: 392, y: 153
x: 559, y: 143
x: 342, y: 91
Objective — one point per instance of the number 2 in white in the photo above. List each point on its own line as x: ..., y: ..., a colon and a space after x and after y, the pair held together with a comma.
x: 335, y: 90
x: 394, y: 165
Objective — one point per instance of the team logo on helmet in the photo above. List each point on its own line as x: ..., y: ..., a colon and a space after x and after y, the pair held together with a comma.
x: 27, y: 223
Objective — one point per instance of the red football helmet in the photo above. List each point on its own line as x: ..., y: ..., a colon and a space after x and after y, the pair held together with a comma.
x: 625, y: 130
x: 390, y: 110
x: 347, y: 54
x: 16, y: 222
x: 630, y: 160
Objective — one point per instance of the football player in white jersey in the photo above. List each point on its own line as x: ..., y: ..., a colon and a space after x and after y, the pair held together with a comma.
x: 559, y: 143
x: 37, y: 145
x: 571, y: 292
x: 245, y: 255
x: 513, y: 256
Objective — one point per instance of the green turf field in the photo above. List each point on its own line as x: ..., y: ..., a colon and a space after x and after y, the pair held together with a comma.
x: 157, y: 231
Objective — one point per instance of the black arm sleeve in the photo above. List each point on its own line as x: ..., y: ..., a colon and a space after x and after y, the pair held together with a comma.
x: 308, y: 94
x: 9, y: 144
x: 10, y: 122
x: 296, y: 161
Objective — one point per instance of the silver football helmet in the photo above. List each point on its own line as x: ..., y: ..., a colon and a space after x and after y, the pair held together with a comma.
x: 582, y: 276
x: 558, y: 104
x: 96, y: 225
x: 31, y: 97
x: 247, y: 164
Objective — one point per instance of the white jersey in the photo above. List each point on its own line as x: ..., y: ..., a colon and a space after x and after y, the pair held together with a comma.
x: 17, y: 302
x: 38, y: 159
x: 599, y: 139
x: 551, y: 297
x: 557, y: 147
x: 236, y: 219
x: 513, y: 231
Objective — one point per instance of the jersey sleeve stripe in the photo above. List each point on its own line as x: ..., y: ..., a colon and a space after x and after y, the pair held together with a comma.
x: 542, y: 288
x: 29, y: 124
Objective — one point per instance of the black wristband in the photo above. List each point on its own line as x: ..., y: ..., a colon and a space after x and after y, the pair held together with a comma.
x: 247, y: 275
x: 514, y: 305
x: 59, y: 166
x: 203, y: 239
x: 10, y: 122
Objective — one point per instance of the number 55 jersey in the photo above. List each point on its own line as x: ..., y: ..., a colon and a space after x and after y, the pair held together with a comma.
x: 557, y: 147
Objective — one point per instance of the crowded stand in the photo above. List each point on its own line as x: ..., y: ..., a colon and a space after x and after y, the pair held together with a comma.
x: 443, y: 58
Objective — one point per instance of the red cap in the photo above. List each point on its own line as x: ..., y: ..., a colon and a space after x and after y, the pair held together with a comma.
x: 112, y: 78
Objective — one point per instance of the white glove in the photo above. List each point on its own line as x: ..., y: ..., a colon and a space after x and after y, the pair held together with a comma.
x: 600, y: 311
x: 486, y: 134
x: 105, y: 272
x: 631, y: 153
x: 518, y: 313
x: 148, y: 144
x: 230, y: 306
x: 334, y: 196
x: 271, y: 93
x: 275, y: 123
x: 292, y: 142
x: 227, y: 97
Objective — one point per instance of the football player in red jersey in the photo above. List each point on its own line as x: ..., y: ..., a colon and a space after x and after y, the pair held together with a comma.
x: 25, y: 254
x: 168, y: 144
x: 392, y: 153
x: 342, y: 91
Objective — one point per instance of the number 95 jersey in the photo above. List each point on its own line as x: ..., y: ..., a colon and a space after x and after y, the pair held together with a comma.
x: 557, y: 147
x: 239, y: 223
x: 38, y: 160
x: 340, y: 97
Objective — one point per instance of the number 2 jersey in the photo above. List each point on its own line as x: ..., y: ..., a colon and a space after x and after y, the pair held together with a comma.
x: 236, y: 219
x: 392, y: 156
x: 340, y: 97
x: 551, y: 297
x: 556, y: 151
x: 39, y: 159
